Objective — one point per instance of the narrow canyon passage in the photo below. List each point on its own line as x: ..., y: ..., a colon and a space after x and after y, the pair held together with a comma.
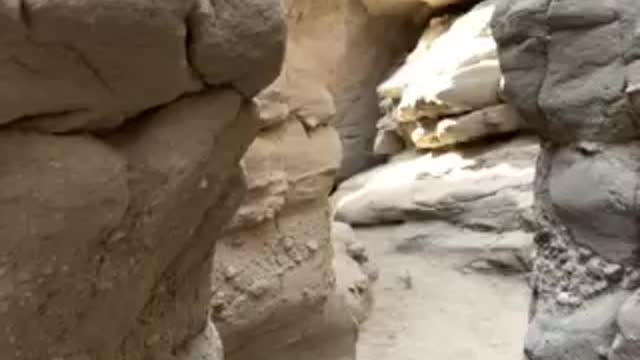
x: 452, y: 277
x: 429, y: 306
x: 319, y: 180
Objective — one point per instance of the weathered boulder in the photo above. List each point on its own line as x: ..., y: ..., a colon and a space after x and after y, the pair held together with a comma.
x: 106, y: 237
x: 354, y: 269
x: 627, y: 343
x: 274, y: 266
x: 337, y: 53
x: 72, y: 66
x: 485, y: 186
x: 579, y: 96
x: 91, y: 240
x: 446, y: 94
x: 450, y: 261
x: 279, y: 291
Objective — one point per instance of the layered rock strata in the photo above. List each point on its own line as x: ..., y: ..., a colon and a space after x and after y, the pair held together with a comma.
x: 448, y: 89
x: 337, y: 53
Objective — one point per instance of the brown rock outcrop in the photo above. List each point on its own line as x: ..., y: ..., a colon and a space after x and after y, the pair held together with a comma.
x: 106, y: 239
x: 276, y: 295
x: 337, y: 53
x: 72, y: 66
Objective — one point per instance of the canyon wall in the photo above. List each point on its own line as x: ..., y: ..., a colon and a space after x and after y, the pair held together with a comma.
x: 122, y: 127
x: 337, y: 53
x: 282, y: 288
x: 571, y: 71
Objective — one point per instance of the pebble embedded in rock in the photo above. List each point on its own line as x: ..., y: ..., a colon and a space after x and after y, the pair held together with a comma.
x: 613, y: 272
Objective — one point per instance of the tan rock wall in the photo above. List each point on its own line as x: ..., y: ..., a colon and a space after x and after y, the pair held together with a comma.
x: 106, y: 236
x: 275, y: 294
x: 337, y: 53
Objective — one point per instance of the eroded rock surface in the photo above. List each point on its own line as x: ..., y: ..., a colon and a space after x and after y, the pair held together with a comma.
x: 451, y: 234
x: 283, y: 288
x: 106, y: 237
x: 448, y: 90
x: 580, y: 96
x: 90, y: 226
x: 72, y: 66
x: 488, y: 186
x: 273, y: 269
x: 337, y: 53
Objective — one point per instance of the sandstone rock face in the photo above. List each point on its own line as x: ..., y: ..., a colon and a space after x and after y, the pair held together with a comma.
x: 580, y: 97
x: 337, y: 53
x: 448, y: 89
x: 106, y: 238
x: 483, y: 186
x: 356, y: 272
x: 283, y: 288
x: 91, y: 226
x: 274, y: 274
x: 451, y: 234
x: 72, y: 66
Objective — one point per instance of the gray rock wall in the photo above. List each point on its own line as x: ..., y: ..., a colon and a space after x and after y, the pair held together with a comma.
x: 571, y: 70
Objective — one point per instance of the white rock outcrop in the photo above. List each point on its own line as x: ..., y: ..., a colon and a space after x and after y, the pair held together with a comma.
x: 452, y: 72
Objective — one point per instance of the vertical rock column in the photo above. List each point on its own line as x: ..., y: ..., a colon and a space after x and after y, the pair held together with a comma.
x: 276, y: 295
x: 572, y: 71
x: 122, y: 125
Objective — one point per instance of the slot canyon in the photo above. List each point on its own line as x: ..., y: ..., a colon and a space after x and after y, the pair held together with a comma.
x: 319, y: 180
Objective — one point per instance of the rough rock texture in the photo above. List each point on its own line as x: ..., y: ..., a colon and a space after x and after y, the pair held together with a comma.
x: 90, y: 65
x: 275, y: 279
x: 448, y: 231
x: 90, y: 226
x: 570, y: 71
x: 279, y: 291
x: 276, y: 292
x: 448, y: 89
x: 274, y: 266
x: 337, y: 53
x: 106, y: 240
x: 485, y: 186
x: 274, y: 287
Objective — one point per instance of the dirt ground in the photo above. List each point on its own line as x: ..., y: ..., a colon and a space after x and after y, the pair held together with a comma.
x: 429, y: 306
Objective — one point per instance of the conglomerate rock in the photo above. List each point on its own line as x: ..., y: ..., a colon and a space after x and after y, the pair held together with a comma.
x: 99, y: 236
x: 570, y: 70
